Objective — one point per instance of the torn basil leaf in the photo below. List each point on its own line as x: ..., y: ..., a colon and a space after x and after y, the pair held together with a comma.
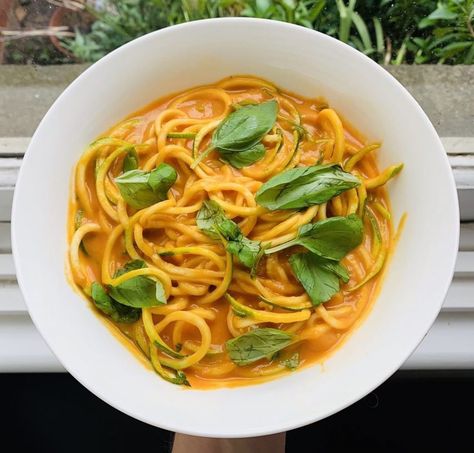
x: 140, y: 291
x: 212, y: 221
x: 117, y: 311
x: 141, y: 189
x: 130, y: 161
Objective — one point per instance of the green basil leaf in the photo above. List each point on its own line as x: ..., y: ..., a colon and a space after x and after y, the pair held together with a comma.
x: 246, y: 250
x: 141, y: 189
x: 161, y: 179
x: 241, y: 132
x: 212, y: 221
x: 331, y: 238
x: 305, y: 186
x: 336, y: 268
x: 140, y: 291
x: 257, y: 344
x: 210, y: 215
x: 117, y: 311
x: 245, y: 127
x: 317, y: 275
x: 239, y: 159
x: 130, y: 162
x: 293, y: 362
x: 130, y: 266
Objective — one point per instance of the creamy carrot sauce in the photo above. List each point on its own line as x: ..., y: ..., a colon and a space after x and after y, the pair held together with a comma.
x: 105, y: 232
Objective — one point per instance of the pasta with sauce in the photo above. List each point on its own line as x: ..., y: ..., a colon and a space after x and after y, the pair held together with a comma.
x: 231, y: 233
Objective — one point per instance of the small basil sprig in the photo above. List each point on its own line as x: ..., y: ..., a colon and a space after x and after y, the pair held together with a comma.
x: 139, y: 291
x: 257, y: 344
x: 319, y: 276
x: 305, y: 186
x: 212, y: 221
x: 331, y: 238
x: 112, y: 308
x: 141, y: 189
x: 238, y: 136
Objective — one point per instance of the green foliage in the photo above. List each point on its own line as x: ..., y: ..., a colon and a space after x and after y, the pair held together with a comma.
x: 388, y: 31
x: 121, y: 21
x: 451, y: 34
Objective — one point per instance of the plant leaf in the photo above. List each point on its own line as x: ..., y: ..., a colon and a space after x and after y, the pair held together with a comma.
x: 245, y: 127
x: 130, y: 162
x: 331, y: 238
x: 305, y: 186
x: 139, y: 291
x: 141, y: 189
x: 443, y: 12
x: 117, y: 311
x: 130, y: 266
x: 239, y: 159
x: 212, y: 220
x: 245, y: 250
x: 257, y: 344
x: 319, y: 276
x: 210, y: 215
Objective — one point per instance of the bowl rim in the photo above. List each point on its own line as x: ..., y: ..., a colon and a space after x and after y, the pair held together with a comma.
x: 306, y: 418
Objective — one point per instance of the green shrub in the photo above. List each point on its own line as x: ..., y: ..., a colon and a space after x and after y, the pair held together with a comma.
x: 399, y: 31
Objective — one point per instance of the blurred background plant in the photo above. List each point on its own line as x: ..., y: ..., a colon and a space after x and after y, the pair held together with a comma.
x: 388, y: 31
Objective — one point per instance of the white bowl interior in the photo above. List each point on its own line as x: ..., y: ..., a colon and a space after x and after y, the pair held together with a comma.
x: 294, y: 58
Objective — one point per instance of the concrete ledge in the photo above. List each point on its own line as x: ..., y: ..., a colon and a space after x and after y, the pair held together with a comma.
x: 446, y: 94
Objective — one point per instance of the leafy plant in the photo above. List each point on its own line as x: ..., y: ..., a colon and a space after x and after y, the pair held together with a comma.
x: 120, y: 21
x: 402, y: 31
x: 305, y: 13
x: 451, y: 37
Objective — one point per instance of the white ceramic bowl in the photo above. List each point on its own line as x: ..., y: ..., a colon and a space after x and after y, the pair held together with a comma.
x: 302, y: 61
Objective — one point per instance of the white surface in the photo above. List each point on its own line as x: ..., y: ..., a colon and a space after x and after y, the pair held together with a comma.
x: 448, y: 345
x: 415, y: 285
